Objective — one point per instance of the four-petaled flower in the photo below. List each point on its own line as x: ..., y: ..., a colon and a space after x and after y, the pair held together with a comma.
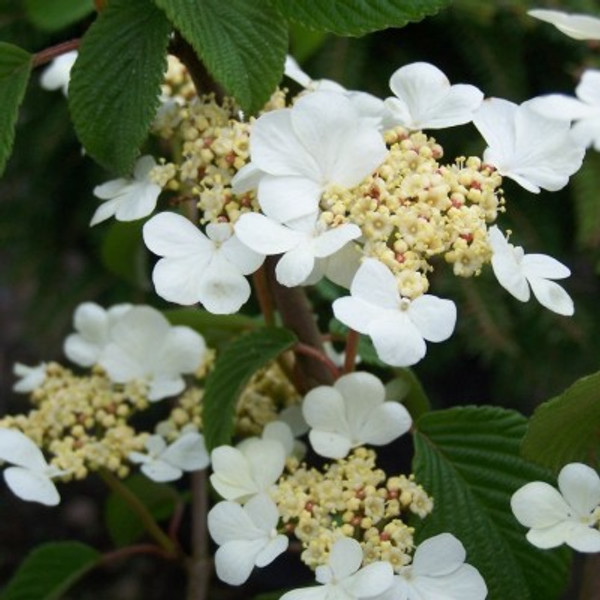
x: 128, y: 199
x: 30, y: 377
x: 397, y: 326
x: 517, y: 271
x: 298, y: 152
x: 247, y: 537
x: 533, y: 150
x: 426, y: 100
x: 200, y: 268
x: 31, y: 477
x: 167, y: 463
x: 342, y: 578
x: 570, y: 516
x: 438, y: 570
x: 352, y: 413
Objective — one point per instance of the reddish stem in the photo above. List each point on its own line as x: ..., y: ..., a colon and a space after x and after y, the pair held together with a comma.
x: 263, y: 293
x: 307, y: 350
x: 352, y: 340
x: 128, y: 551
x: 175, y: 521
x: 45, y: 56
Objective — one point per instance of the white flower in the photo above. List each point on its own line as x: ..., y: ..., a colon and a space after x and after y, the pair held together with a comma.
x: 30, y: 377
x: 31, y: 478
x: 143, y: 345
x: 584, y: 110
x: 197, y: 268
x: 368, y: 106
x: 93, y: 323
x: 579, y: 27
x: 567, y: 517
x: 527, y: 147
x: 301, y: 245
x: 517, y: 271
x: 397, y: 326
x: 250, y: 469
x: 426, y: 100
x: 343, y: 579
x: 128, y: 199
x: 247, y: 537
x: 351, y: 413
x: 298, y: 152
x: 438, y: 571
x: 340, y: 267
x: 167, y: 463
x: 57, y: 75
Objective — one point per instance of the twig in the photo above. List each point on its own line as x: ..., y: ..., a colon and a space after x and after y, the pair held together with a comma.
x: 352, y: 340
x: 590, y: 586
x: 45, y: 56
x: 263, y: 294
x: 307, y: 350
x: 128, y: 551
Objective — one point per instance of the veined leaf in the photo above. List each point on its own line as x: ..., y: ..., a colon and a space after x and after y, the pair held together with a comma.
x: 243, y: 44
x: 357, y: 17
x: 50, y: 570
x: 567, y: 428
x: 468, y: 459
x: 115, y: 83
x: 233, y: 369
x: 15, y: 67
x: 57, y: 14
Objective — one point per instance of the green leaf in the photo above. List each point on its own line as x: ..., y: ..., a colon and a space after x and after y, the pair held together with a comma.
x: 357, y: 17
x: 216, y: 329
x: 468, y: 459
x: 115, y: 83
x: 587, y: 207
x: 567, y: 428
x: 123, y: 524
x: 410, y: 392
x: 57, y: 14
x: 243, y: 44
x: 15, y: 67
x: 50, y: 570
x: 233, y: 369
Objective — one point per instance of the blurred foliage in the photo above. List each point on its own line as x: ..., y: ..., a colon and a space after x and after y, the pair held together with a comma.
x: 504, y: 352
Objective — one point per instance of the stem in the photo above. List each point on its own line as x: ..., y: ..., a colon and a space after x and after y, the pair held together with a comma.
x: 307, y: 350
x: 351, y: 349
x: 150, y: 525
x: 296, y: 315
x: 590, y: 586
x: 122, y: 553
x: 48, y: 54
x: 199, y: 565
x: 261, y: 287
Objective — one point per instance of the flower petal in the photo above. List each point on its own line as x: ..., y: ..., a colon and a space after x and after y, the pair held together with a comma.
x: 266, y: 459
x: 228, y: 521
x: 139, y: 202
x: 345, y: 558
x: 31, y: 486
x: 18, y: 449
x: 266, y: 235
x: 583, y: 538
x: 356, y: 313
x: 579, y: 27
x: 105, y: 211
x: 263, y: 512
x: 384, y: 424
x: 272, y: 550
x: 188, y: 453
x: 179, y: 279
x: 161, y: 471
x: 329, y: 444
x: 552, y: 296
x: 222, y: 288
x: 170, y: 234
x: 541, y: 265
x: 580, y: 487
x: 439, y: 555
x: 334, y: 239
x: 397, y: 340
x: 375, y: 283
x: 182, y: 351
x: 241, y: 256
x: 434, y: 317
x: 295, y: 266
x: 371, y: 580
x: 234, y: 560
x: 231, y: 476
x: 288, y: 198
x: 539, y: 505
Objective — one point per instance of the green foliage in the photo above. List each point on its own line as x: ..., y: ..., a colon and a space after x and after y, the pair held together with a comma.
x: 243, y: 44
x: 115, y: 83
x: 50, y: 570
x: 410, y: 392
x: 56, y: 14
x: 123, y: 524
x: 233, y: 369
x: 15, y: 67
x: 216, y: 329
x: 468, y: 460
x: 357, y: 17
x: 567, y: 428
x: 586, y: 183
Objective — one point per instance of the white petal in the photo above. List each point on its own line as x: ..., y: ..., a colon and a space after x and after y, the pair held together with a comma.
x: 333, y: 240
x: 295, y: 266
x: 588, y: 88
x: 541, y: 265
x: 263, y: 512
x: 323, y: 408
x: 182, y: 351
x: 246, y: 179
x: 234, y: 560
x: 187, y: 453
x: 112, y: 189
x: 266, y: 459
x: 552, y: 296
x: 18, y: 449
x: 169, y: 234
x: 375, y: 283
x: 292, y: 70
x: 31, y: 486
x: 397, y: 340
x: 161, y: 471
x: 509, y: 275
x: 30, y: 377
x: 579, y: 27
x: 345, y: 558
x: 371, y: 580
x: 180, y: 279
x: 164, y: 386
x: 356, y: 313
x: 57, y: 75
x: 539, y: 505
x: 288, y: 198
x: 329, y: 444
x: 280, y: 432
x: 143, y: 166
x: 310, y: 593
x: 342, y: 266
x: 580, y: 487
x: 465, y: 583
x: 105, y: 211
x: 439, y: 555
x: 558, y: 106
x: 434, y: 317
x: 265, y: 235
x: 222, y: 289
x: 384, y: 424
x: 495, y: 120
x: 551, y: 537
x: 228, y: 521
x: 138, y: 203
x: 271, y: 551
x: 583, y: 538
x: 241, y: 256
x: 231, y: 477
